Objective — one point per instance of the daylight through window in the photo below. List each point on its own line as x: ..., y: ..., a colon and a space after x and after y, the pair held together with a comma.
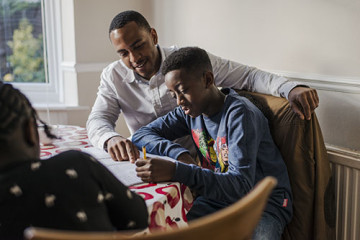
x: 21, y: 41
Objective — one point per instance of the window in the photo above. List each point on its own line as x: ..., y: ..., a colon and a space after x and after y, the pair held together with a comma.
x: 30, y: 51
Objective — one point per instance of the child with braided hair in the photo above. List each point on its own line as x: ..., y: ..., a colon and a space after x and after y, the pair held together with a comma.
x: 69, y: 191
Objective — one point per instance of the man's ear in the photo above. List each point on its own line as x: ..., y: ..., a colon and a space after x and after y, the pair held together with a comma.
x: 209, y: 78
x: 154, y: 35
x: 30, y: 132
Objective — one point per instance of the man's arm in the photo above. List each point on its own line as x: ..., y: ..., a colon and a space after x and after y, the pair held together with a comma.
x: 303, y: 100
x: 235, y: 75
x: 105, y: 112
x: 101, y: 123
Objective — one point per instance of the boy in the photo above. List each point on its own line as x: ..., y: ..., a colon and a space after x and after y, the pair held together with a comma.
x: 233, y: 142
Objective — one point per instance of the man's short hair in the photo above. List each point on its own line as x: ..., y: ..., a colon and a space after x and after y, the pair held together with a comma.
x: 125, y: 17
x: 191, y: 59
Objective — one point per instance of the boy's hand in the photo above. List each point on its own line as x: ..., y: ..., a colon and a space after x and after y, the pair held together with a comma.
x: 303, y: 101
x: 121, y: 148
x: 186, y: 158
x: 155, y: 169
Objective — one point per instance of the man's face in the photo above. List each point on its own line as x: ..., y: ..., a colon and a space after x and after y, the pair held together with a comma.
x: 189, y: 91
x: 137, y: 49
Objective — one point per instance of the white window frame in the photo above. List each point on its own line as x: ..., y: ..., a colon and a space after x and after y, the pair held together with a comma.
x: 49, y: 93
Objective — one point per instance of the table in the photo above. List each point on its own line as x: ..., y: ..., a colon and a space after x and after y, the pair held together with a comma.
x: 167, y: 202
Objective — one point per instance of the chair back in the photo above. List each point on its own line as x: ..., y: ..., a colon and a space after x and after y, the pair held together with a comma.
x: 303, y: 149
x: 237, y: 221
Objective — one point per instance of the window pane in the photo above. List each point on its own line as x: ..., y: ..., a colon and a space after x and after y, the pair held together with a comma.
x: 21, y: 41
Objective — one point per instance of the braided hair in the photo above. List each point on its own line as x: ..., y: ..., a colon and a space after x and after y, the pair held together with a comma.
x: 14, y: 107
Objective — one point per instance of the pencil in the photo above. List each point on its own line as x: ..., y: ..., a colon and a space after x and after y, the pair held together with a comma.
x: 144, y: 151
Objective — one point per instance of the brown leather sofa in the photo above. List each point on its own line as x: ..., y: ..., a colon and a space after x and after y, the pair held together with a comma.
x: 303, y: 149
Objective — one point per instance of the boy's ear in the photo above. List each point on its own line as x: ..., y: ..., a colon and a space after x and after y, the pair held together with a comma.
x: 209, y: 78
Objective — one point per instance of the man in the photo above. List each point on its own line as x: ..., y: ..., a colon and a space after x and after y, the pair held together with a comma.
x: 216, y: 120
x: 134, y: 85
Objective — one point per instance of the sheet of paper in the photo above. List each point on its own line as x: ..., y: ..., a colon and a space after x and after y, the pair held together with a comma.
x: 124, y: 171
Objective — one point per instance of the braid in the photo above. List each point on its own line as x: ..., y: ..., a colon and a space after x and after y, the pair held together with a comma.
x: 47, y: 130
x: 14, y: 106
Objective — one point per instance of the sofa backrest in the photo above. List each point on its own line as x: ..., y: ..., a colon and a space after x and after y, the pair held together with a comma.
x: 303, y: 150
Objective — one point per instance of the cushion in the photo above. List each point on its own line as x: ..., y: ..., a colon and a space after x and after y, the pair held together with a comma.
x: 303, y: 150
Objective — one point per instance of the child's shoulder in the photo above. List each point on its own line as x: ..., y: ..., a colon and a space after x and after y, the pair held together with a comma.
x: 234, y: 99
x: 72, y: 156
x: 241, y: 104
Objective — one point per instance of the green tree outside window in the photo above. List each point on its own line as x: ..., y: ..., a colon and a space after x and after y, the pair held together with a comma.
x: 27, y: 59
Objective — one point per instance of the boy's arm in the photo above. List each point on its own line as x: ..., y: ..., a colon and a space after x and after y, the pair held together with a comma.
x: 157, y: 136
x: 244, y: 135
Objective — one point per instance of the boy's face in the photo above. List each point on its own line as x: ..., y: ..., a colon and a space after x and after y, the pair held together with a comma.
x: 189, y: 90
x: 137, y: 49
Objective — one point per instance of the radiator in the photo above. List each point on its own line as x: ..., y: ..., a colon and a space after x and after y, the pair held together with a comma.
x: 345, y: 167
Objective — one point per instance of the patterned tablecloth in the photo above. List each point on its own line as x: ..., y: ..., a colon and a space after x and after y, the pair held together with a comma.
x: 167, y: 202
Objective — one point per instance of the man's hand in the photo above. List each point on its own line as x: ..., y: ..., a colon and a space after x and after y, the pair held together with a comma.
x: 303, y: 101
x: 155, y: 169
x: 121, y: 149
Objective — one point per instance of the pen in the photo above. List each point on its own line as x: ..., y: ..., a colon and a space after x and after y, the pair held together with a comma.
x: 144, y: 151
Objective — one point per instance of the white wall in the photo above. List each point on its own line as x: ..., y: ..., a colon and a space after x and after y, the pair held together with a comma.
x: 312, y: 41
x: 306, y: 36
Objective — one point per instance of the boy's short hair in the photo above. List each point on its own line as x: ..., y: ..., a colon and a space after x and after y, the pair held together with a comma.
x: 125, y: 17
x: 191, y: 59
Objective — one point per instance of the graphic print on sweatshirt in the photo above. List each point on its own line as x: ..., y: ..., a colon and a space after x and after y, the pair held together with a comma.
x: 209, y: 158
x: 222, y: 153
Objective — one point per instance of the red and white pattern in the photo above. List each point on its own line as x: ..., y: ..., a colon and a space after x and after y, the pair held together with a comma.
x: 167, y: 202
